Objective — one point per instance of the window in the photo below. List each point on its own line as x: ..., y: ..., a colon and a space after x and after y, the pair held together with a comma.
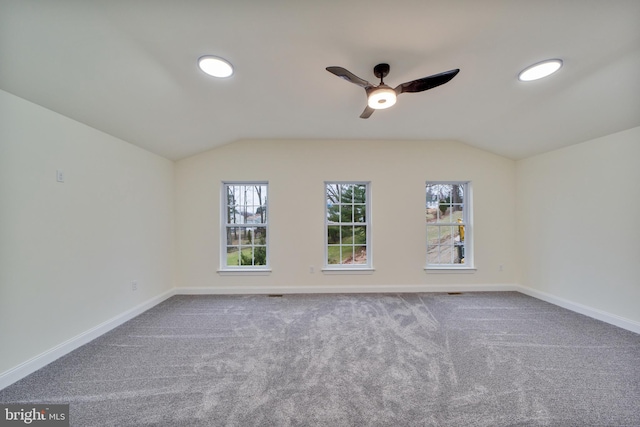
x: 448, y: 225
x: 347, y: 225
x: 245, y: 226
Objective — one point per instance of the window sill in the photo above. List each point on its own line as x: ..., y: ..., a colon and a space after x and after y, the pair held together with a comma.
x: 245, y: 272
x: 450, y: 270
x: 334, y: 270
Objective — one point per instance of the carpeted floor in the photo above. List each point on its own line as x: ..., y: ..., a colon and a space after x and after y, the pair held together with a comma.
x: 430, y: 359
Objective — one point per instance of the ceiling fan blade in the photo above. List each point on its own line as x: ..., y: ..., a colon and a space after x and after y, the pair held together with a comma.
x: 349, y: 76
x: 426, y: 83
x: 368, y: 111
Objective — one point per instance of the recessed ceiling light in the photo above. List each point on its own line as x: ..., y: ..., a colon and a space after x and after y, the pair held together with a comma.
x: 214, y: 66
x: 540, y: 70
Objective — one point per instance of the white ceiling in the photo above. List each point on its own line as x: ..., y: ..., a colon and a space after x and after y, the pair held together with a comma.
x: 128, y: 68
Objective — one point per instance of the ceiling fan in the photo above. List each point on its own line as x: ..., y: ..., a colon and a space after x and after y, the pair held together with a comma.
x: 382, y: 96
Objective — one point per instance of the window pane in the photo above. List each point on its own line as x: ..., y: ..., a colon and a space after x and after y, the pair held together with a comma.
x: 260, y: 215
x: 443, y: 210
x: 456, y: 214
x: 260, y: 255
x: 446, y: 235
x: 359, y: 193
x: 232, y: 199
x: 360, y: 255
x: 333, y: 234
x: 246, y: 256
x: 360, y: 235
x: 431, y: 197
x: 251, y: 217
x: 433, y: 235
x: 232, y: 255
x: 260, y: 203
x: 333, y: 254
x: 359, y: 213
x: 457, y: 194
x: 346, y: 232
x: 260, y: 235
x: 432, y: 213
x: 231, y: 203
x: 233, y: 235
x: 346, y: 213
x: 346, y: 193
x: 333, y: 194
x: 347, y: 254
x: 246, y: 236
x: 333, y: 213
x: 440, y: 254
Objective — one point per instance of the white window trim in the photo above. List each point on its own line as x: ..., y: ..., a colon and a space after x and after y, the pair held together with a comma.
x: 338, y: 271
x: 469, y: 265
x: 447, y: 270
x: 349, y: 268
x: 245, y: 270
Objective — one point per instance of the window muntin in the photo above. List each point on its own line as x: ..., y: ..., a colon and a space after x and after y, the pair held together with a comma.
x: 245, y: 226
x: 347, y: 225
x: 448, y: 225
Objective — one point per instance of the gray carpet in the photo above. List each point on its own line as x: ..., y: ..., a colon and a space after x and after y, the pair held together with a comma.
x: 429, y: 359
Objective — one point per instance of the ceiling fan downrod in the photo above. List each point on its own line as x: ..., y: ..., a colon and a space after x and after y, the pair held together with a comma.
x: 381, y: 71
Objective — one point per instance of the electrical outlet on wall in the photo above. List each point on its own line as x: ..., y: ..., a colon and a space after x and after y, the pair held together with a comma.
x: 134, y: 285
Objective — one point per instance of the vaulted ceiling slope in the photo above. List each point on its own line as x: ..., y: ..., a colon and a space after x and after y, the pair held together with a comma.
x: 129, y: 68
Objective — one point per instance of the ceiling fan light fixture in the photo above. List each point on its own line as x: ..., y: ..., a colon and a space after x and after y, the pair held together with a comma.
x: 540, y: 70
x: 381, y: 97
x: 214, y: 66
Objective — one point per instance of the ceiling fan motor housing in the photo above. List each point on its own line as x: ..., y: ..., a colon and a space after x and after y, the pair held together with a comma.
x: 381, y: 70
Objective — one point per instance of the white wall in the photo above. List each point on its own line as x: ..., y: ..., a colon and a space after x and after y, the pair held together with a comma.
x: 578, y: 233
x: 69, y: 251
x: 296, y: 171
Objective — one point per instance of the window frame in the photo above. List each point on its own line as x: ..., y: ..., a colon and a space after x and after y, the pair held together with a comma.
x: 349, y: 268
x: 225, y: 224
x: 467, y: 223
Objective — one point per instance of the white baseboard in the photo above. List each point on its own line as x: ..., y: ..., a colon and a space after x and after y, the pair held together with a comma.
x: 354, y: 289
x: 22, y: 370
x: 595, y: 313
